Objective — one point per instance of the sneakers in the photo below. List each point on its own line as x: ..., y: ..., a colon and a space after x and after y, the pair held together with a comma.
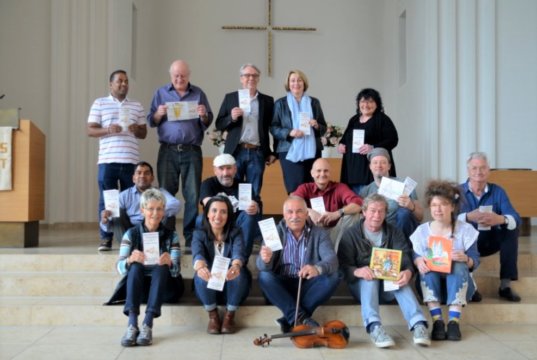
x: 106, y: 245
x: 145, y: 337
x: 421, y: 335
x: 380, y: 338
x: 453, y: 331
x: 439, y: 330
x: 129, y: 339
x: 508, y: 294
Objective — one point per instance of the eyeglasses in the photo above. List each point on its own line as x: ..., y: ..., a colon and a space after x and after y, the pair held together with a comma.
x: 255, y: 76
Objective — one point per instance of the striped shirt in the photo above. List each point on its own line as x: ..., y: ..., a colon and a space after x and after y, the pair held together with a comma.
x: 126, y: 248
x: 294, y: 252
x: 121, y: 147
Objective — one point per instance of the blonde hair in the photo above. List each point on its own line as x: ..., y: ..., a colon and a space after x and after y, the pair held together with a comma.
x: 301, y: 75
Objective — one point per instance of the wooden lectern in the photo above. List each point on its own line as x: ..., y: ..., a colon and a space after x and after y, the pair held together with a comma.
x: 23, y: 206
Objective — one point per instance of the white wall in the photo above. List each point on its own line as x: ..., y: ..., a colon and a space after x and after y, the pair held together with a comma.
x: 517, y: 84
x: 25, y: 58
x: 455, y: 94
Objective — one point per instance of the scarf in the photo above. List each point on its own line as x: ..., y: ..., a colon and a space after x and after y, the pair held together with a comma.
x: 301, y: 148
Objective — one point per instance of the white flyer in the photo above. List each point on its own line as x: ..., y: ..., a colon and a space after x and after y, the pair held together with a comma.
x: 182, y: 110
x: 358, y: 138
x: 317, y: 204
x: 484, y: 209
x: 391, y: 188
x: 410, y: 185
x: 245, y: 195
x: 151, y: 248
x: 390, y: 285
x: 124, y: 119
x: 218, y: 273
x: 270, y: 234
x: 111, y: 201
x: 304, y: 123
x: 244, y: 100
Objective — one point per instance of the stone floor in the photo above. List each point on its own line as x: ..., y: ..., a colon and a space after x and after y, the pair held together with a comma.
x: 87, y: 342
x: 498, y: 341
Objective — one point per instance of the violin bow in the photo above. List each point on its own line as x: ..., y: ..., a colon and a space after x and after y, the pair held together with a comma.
x: 298, y: 299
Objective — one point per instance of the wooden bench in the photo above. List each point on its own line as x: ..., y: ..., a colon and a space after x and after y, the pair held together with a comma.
x: 521, y: 187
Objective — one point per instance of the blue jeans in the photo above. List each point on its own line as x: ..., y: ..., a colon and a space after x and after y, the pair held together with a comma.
x: 458, y: 286
x: 282, y: 292
x: 357, y: 187
x: 295, y: 173
x: 109, y: 176
x: 135, y: 288
x: 234, y: 293
x: 369, y: 293
x: 506, y: 242
x: 173, y: 163
x: 250, y: 230
x: 250, y: 168
x: 406, y: 221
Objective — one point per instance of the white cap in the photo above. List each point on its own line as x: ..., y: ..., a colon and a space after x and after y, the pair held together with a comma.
x: 223, y: 160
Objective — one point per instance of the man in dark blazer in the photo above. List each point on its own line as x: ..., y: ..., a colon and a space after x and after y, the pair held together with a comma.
x: 246, y: 118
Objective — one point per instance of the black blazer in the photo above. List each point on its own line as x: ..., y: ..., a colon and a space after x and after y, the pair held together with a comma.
x: 224, y: 123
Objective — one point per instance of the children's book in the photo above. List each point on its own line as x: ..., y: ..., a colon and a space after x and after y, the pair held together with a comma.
x: 386, y: 263
x: 438, y: 257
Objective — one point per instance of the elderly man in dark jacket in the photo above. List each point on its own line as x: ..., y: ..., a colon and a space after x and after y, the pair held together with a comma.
x: 354, y: 255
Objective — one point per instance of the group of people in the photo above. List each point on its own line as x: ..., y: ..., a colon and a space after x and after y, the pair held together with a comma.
x: 295, y: 121
x: 329, y: 229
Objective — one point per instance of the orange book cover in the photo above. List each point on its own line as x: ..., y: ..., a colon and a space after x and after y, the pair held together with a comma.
x: 438, y: 257
x: 386, y: 263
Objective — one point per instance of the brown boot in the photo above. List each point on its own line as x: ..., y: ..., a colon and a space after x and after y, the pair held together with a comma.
x: 214, y: 322
x: 228, y: 327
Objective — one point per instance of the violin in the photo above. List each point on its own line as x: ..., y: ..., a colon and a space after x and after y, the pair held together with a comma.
x: 333, y: 334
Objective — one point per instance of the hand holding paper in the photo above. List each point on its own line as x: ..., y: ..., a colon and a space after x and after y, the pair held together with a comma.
x: 270, y: 234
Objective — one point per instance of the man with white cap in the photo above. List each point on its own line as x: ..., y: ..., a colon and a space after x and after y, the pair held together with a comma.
x: 406, y: 213
x: 225, y: 183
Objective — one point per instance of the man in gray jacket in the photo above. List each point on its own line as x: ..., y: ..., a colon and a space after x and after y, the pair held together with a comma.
x: 354, y: 253
x: 307, y: 254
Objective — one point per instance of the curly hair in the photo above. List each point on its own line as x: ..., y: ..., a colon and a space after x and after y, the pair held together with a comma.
x: 446, y: 190
x: 367, y: 94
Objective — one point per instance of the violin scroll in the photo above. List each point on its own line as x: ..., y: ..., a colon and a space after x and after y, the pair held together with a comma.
x: 262, y: 340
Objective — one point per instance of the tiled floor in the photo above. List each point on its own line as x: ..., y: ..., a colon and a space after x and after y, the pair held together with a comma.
x: 90, y: 342
x: 479, y: 342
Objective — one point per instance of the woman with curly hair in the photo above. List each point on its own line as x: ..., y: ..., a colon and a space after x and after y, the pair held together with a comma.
x: 456, y: 286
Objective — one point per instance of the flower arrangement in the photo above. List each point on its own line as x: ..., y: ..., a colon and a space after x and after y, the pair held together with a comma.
x: 217, y: 137
x: 332, y: 136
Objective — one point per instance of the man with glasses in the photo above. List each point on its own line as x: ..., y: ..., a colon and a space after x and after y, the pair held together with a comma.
x: 246, y: 116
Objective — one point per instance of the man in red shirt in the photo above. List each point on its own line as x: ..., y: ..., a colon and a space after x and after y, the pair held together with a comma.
x: 331, y: 204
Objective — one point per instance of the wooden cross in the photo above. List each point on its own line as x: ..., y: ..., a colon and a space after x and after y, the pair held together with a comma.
x: 270, y: 28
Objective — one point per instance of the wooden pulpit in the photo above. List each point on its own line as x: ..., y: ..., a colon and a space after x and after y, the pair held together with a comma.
x: 23, y: 206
